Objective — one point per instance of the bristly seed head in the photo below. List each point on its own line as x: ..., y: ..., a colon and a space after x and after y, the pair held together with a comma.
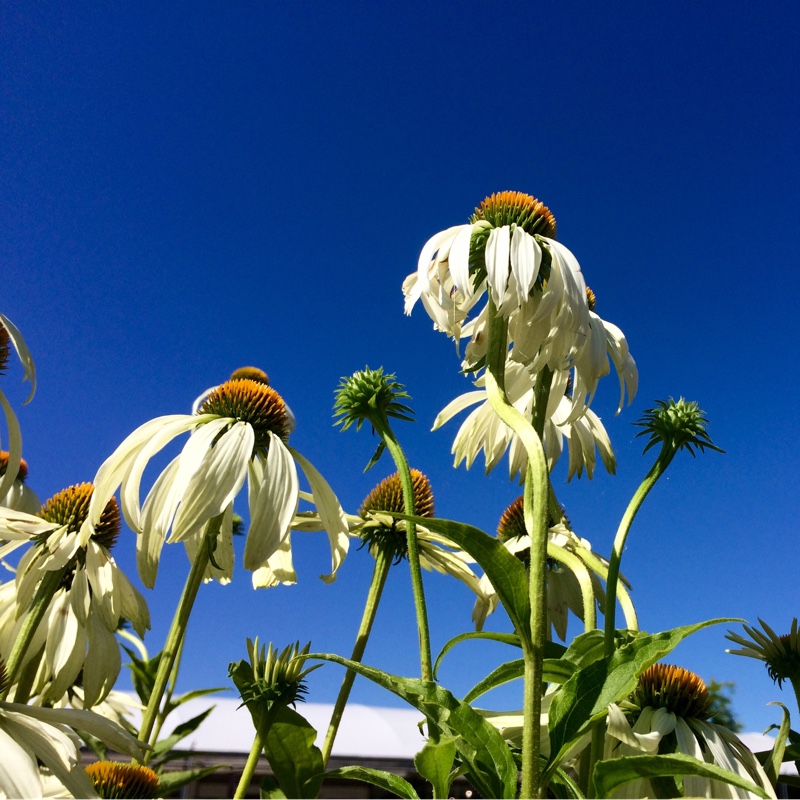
x: 388, y: 496
x: 70, y: 507
x: 369, y: 394
x: 674, y: 688
x: 112, y: 779
x: 250, y: 374
x: 23, y: 466
x: 676, y: 426
x: 512, y: 521
x: 253, y: 402
x: 5, y: 347
x: 591, y: 299
x: 517, y: 208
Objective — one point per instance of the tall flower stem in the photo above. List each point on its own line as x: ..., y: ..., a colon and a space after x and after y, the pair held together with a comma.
x: 612, y: 580
x: 177, y: 630
x: 381, y: 425
x: 250, y: 766
x: 535, y: 505
x: 382, y: 563
x: 41, y: 601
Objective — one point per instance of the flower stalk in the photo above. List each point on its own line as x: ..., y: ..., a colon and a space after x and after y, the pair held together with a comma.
x: 535, y: 504
x: 383, y: 560
x: 177, y: 631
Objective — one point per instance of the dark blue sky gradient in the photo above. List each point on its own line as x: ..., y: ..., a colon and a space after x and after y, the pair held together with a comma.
x: 191, y: 188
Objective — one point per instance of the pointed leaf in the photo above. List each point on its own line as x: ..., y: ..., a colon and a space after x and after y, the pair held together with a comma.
x: 170, y: 782
x: 387, y: 781
x: 435, y: 763
x: 614, y: 772
x: 489, y: 764
x: 505, y: 638
x: 289, y: 747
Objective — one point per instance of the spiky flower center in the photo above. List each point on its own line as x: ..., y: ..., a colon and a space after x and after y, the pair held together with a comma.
x: 388, y: 496
x: 113, y: 779
x: 23, y: 466
x: 674, y: 688
x: 517, y: 208
x: 250, y: 374
x: 252, y: 402
x: 3, y: 677
x: 512, y: 522
x: 5, y: 347
x: 70, y: 508
x: 591, y: 299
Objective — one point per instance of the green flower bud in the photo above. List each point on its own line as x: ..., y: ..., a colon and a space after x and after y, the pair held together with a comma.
x: 369, y: 395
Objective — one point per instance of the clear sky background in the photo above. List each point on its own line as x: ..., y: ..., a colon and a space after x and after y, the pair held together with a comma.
x: 190, y: 188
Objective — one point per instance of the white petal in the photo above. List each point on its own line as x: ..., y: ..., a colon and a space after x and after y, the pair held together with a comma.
x: 330, y: 512
x: 19, y: 773
x: 273, y: 489
x: 103, y: 663
x: 22, y: 351
x: 498, y: 247
x: 216, y: 482
x: 157, y: 513
x: 526, y: 257
x: 458, y: 260
x: 277, y: 569
x: 457, y: 406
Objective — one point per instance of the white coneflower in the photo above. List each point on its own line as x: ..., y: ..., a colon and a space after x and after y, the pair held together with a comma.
x: 90, y: 595
x: 241, y: 431
x: 670, y: 708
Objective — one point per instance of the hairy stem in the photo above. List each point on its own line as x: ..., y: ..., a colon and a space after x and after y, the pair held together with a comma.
x: 382, y: 563
x: 250, y: 766
x: 177, y: 630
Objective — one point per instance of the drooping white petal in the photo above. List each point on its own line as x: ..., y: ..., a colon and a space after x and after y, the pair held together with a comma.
x: 273, y: 494
x: 422, y: 284
x: 132, y: 605
x: 458, y: 260
x: 457, y: 406
x: 157, y: 513
x: 114, y: 469
x: 277, y: 569
x: 19, y: 772
x: 330, y: 512
x: 498, y: 246
x: 23, y: 353
x: 216, y: 482
x: 526, y: 257
x: 102, y: 665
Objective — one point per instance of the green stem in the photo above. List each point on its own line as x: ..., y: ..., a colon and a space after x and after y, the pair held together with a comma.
x: 656, y: 471
x: 612, y: 579
x: 382, y: 563
x: 381, y: 425
x: 164, y: 708
x: 177, y: 630
x: 44, y: 594
x: 535, y: 505
x: 249, y: 767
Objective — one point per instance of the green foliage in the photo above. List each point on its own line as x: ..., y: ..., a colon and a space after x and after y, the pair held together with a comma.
x: 487, y: 761
x: 614, y: 772
x: 289, y: 747
x: 387, y: 781
x: 435, y: 763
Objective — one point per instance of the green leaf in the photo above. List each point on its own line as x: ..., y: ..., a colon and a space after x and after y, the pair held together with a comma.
x: 614, y: 772
x: 564, y: 785
x: 772, y: 765
x: 505, y: 638
x: 387, y: 781
x: 510, y: 671
x: 170, y: 782
x: 584, y: 698
x: 435, y: 763
x: 289, y: 747
x: 269, y: 789
x: 143, y: 674
x: 490, y: 766
x: 506, y: 572
x: 181, y: 731
x: 375, y: 456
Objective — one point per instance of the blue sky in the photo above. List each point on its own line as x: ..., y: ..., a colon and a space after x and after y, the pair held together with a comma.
x: 192, y: 188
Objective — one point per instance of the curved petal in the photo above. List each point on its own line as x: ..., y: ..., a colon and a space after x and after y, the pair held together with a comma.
x: 19, y: 772
x: 277, y: 569
x: 330, y: 512
x: 22, y: 352
x: 457, y: 406
x: 273, y: 494
x: 458, y: 260
x: 526, y: 258
x: 498, y: 247
x: 14, y: 446
x: 216, y: 481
